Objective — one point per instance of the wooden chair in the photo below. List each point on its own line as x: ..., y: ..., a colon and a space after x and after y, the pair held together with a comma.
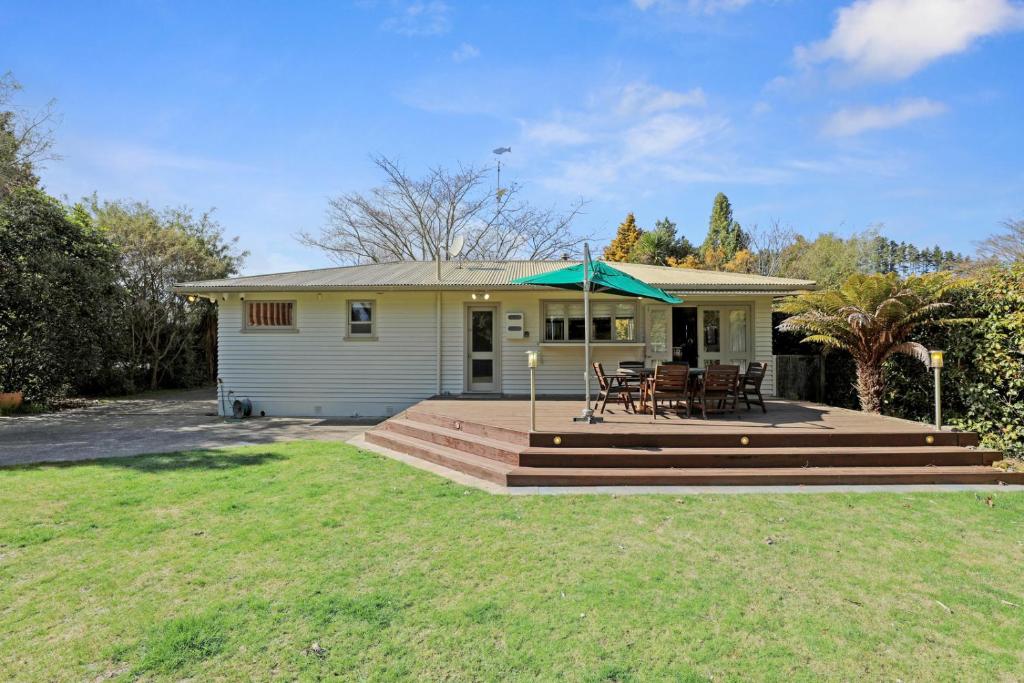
x: 670, y: 383
x: 750, y: 385
x: 617, y: 386
x: 717, y: 392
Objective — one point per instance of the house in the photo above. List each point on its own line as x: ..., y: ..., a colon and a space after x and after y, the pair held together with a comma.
x: 371, y: 340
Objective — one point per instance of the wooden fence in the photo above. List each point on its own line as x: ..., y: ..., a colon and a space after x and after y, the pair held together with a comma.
x: 800, y: 378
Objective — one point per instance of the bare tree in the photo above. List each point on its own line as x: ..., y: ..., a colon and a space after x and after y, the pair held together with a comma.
x: 1007, y: 247
x: 26, y: 138
x: 418, y: 219
x: 770, y: 247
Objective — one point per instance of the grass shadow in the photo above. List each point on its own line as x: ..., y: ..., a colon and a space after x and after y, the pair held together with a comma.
x: 207, y: 459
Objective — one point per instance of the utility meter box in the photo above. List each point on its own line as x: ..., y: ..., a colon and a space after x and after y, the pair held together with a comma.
x: 515, y: 325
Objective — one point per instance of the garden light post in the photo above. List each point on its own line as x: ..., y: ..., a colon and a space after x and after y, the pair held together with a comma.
x: 532, y: 359
x: 935, y: 359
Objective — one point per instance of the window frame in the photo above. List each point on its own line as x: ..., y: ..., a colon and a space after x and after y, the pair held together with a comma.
x: 361, y: 336
x: 545, y: 304
x: 270, y: 329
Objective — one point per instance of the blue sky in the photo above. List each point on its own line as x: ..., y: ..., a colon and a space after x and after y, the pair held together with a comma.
x: 823, y: 115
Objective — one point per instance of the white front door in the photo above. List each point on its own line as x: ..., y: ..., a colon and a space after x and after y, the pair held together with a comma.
x: 724, y: 335
x: 482, y: 345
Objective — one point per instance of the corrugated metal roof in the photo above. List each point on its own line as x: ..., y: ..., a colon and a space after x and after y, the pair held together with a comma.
x: 485, y: 274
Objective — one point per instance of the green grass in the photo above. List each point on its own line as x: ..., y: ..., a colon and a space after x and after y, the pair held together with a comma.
x: 232, y: 564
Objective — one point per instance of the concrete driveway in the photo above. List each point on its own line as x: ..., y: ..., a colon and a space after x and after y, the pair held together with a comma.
x: 156, y: 423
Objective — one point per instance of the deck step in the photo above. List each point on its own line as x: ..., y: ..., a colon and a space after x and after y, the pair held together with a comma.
x: 871, y: 456
x: 467, y: 463
x: 779, y: 476
x: 758, y: 437
x: 482, y: 446
x: 493, y: 432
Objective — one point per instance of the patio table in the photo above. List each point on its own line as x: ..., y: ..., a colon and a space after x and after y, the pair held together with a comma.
x: 647, y: 374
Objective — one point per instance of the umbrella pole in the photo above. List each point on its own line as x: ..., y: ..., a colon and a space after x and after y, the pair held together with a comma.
x: 588, y: 412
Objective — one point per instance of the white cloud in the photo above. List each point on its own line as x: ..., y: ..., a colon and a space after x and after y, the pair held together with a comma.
x: 556, y: 133
x: 131, y: 158
x: 644, y: 98
x: 637, y: 113
x: 891, y: 39
x: 465, y: 52
x: 855, y: 120
x: 625, y: 138
x: 693, y: 6
x: 420, y: 19
x: 666, y: 133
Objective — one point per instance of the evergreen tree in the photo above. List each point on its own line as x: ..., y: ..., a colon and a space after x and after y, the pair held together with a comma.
x: 724, y: 234
x: 625, y: 239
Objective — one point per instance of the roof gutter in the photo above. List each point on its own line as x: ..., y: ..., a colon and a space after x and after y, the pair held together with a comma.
x: 190, y: 288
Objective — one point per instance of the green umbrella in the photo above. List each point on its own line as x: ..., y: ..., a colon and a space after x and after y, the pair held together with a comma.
x: 595, y: 276
x: 603, y: 278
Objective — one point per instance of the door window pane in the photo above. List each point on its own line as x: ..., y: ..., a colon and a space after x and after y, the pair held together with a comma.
x: 657, y: 332
x: 483, y: 331
x: 738, y: 331
x: 483, y: 371
x: 712, y: 330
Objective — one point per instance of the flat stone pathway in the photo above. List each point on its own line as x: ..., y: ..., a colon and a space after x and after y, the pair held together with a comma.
x: 161, y: 422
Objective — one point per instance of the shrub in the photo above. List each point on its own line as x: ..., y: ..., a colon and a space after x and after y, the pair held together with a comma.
x: 983, y: 377
x: 57, y: 287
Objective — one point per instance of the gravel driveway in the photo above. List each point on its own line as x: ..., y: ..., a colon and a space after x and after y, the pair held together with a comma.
x: 157, y: 423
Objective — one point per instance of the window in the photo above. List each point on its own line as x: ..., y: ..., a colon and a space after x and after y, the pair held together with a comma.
x: 610, y: 322
x: 270, y: 315
x: 361, y: 322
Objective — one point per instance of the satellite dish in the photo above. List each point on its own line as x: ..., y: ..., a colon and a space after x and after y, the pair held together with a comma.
x: 456, y: 247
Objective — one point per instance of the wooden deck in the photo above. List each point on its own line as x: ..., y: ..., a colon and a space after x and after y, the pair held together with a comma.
x: 793, y: 443
x: 556, y: 417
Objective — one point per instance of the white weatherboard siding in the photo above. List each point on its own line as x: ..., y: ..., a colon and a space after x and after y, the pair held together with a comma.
x: 317, y: 372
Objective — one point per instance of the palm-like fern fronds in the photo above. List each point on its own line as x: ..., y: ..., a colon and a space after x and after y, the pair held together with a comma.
x: 872, y: 317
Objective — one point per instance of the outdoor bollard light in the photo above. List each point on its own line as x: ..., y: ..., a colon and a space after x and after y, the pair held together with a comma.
x: 935, y: 360
x: 532, y: 360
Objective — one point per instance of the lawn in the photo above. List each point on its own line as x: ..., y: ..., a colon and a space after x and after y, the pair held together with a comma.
x: 317, y: 560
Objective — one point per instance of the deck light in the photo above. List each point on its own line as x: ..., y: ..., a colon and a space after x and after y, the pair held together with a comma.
x: 191, y: 298
x: 936, y: 361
